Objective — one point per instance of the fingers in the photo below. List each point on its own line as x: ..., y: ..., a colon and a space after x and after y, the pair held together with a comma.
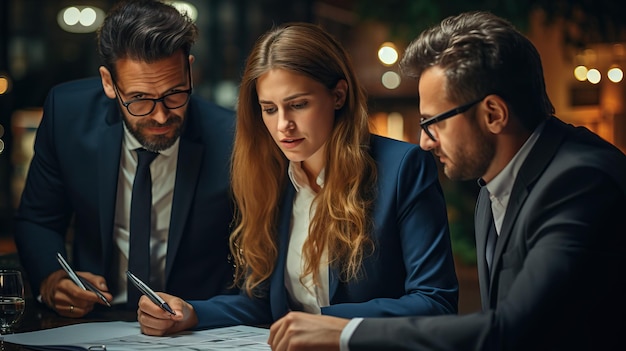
x: 303, y: 331
x: 155, y: 321
x: 97, y: 280
x: 278, y: 339
x: 72, y: 311
x: 66, y: 298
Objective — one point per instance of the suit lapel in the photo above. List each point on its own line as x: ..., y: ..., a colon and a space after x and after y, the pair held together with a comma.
x: 189, y: 162
x: 538, y: 158
x: 109, y: 153
x: 483, y: 219
x: 278, y: 293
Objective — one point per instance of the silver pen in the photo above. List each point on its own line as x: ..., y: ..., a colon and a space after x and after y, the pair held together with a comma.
x: 145, y: 289
x: 80, y: 281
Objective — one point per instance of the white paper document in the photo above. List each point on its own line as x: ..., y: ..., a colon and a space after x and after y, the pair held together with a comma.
x: 112, y: 336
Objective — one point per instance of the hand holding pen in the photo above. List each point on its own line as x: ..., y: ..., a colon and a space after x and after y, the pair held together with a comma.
x: 145, y: 289
x: 81, y: 282
x: 164, y: 314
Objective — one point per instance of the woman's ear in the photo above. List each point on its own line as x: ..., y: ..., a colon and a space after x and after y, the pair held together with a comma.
x: 496, y: 113
x: 340, y: 92
x: 107, y: 82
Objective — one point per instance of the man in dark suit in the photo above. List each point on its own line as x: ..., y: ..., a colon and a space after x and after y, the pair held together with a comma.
x: 549, y: 218
x: 86, y: 155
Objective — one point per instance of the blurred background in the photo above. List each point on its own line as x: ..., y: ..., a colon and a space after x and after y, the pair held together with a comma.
x: 582, y: 44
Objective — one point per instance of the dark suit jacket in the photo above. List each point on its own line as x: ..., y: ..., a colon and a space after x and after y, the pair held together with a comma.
x: 73, y: 178
x: 559, y: 263
x: 411, y: 271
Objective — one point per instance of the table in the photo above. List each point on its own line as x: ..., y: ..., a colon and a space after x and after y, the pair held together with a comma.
x: 37, y: 317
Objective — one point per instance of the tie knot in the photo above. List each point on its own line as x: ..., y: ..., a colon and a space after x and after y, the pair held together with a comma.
x: 145, y: 157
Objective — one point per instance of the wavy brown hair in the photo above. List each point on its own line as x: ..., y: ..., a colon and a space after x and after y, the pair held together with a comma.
x: 342, y: 221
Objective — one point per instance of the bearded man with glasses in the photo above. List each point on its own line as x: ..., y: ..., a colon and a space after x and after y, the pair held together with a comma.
x: 87, y: 163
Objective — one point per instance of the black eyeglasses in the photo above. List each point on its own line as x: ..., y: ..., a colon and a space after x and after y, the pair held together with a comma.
x: 145, y: 106
x: 426, y: 123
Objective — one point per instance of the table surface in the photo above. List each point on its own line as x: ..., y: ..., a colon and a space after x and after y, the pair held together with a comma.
x: 37, y: 317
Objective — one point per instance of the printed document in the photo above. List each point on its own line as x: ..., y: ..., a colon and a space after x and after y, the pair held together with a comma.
x: 112, y: 336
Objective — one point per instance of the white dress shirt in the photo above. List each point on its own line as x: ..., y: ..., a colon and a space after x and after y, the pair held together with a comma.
x: 303, y: 294
x: 501, y: 185
x: 163, y: 173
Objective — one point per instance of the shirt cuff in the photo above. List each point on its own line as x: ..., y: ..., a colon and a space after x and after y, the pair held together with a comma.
x: 347, y: 332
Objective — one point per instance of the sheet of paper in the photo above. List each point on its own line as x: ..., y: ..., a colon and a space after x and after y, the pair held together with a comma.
x: 127, y: 336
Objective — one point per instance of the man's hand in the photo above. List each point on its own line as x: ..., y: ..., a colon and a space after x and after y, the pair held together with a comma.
x: 60, y: 293
x: 298, y: 331
x: 155, y: 321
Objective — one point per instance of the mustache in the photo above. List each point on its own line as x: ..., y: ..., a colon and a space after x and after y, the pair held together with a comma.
x: 170, y: 121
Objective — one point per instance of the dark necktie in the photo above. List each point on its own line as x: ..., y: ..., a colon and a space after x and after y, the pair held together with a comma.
x: 140, y: 224
x: 492, y: 238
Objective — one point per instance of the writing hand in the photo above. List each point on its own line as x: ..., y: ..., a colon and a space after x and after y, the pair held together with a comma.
x: 154, y: 321
x: 299, y: 331
x: 69, y: 300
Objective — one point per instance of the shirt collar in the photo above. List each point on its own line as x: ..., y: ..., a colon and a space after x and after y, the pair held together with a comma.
x: 298, y: 177
x: 502, y: 184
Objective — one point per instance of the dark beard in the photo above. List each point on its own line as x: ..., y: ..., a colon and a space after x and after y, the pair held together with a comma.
x: 159, y: 142
x: 472, y: 163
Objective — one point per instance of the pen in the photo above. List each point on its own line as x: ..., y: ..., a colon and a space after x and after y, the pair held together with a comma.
x: 150, y: 293
x: 80, y: 281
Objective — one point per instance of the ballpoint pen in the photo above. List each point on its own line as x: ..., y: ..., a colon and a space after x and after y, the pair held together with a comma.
x: 80, y: 281
x: 145, y: 289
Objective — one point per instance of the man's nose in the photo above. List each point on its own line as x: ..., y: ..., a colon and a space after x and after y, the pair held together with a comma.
x: 160, y: 113
x: 426, y: 142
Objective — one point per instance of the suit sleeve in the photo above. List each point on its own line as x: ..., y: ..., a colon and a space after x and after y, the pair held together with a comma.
x: 548, y: 297
x: 229, y: 310
x: 421, y: 227
x: 44, y: 213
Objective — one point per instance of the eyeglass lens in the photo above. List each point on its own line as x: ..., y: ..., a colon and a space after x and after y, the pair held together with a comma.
x: 146, y: 106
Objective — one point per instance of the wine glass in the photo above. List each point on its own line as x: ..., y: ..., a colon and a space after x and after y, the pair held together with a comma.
x: 11, y: 299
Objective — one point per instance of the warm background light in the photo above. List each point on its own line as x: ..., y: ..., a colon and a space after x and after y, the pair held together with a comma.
x: 615, y: 74
x: 4, y: 85
x: 387, y: 54
x: 580, y: 72
x: 185, y: 7
x: 80, y: 19
x: 391, y: 80
x: 594, y: 76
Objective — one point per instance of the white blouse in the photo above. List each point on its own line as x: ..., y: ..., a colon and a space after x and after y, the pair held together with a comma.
x: 303, y: 294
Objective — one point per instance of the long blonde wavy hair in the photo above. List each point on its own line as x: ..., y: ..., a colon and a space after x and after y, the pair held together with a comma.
x: 342, y: 220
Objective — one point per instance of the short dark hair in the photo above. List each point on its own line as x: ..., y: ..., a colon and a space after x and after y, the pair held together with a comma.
x: 483, y: 54
x: 144, y: 30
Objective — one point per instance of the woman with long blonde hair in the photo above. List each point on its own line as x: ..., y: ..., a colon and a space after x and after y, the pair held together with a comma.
x: 331, y: 219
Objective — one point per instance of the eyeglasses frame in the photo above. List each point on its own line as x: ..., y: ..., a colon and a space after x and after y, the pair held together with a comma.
x: 425, y: 123
x: 154, y: 101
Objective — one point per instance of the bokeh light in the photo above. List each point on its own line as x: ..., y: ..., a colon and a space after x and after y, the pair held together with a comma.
x: 391, y: 80
x: 387, y: 54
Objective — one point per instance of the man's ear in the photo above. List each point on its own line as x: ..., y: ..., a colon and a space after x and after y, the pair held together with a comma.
x: 107, y: 82
x: 340, y: 92
x: 496, y: 112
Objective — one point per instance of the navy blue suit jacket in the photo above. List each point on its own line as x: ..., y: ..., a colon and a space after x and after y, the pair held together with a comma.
x: 557, y: 281
x: 411, y: 271
x: 73, y: 179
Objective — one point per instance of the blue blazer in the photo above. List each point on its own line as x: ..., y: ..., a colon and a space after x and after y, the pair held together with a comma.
x: 72, y: 181
x: 411, y: 271
x: 557, y: 281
